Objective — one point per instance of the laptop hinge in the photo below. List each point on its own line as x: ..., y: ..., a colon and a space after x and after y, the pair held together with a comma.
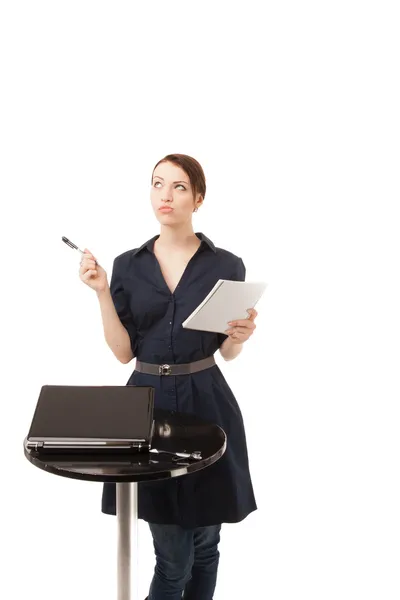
x: 35, y: 445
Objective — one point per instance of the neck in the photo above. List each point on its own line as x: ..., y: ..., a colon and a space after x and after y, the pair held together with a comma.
x: 182, y: 236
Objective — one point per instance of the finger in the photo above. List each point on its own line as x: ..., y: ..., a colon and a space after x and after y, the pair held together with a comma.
x: 88, y: 254
x: 240, y: 335
x: 230, y: 332
x: 89, y: 274
x: 87, y: 260
x: 243, y: 323
x: 237, y: 335
x: 244, y: 330
x: 252, y: 314
x: 239, y: 330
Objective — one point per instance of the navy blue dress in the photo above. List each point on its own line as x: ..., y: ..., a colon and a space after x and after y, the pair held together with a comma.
x: 223, y: 492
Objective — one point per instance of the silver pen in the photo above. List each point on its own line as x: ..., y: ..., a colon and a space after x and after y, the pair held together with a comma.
x: 74, y: 246
x: 196, y: 455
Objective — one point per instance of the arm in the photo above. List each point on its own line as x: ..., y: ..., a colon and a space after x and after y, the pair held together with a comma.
x: 239, y: 331
x: 116, y: 335
x: 119, y: 327
x: 229, y: 350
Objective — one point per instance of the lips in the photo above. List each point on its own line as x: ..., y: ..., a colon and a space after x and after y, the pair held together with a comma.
x: 165, y: 209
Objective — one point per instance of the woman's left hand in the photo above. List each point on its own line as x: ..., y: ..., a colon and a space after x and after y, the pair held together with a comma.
x: 241, y: 330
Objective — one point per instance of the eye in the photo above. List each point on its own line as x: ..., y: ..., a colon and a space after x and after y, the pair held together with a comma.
x: 177, y: 185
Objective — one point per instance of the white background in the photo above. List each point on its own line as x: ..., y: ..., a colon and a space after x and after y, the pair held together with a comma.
x: 292, y: 108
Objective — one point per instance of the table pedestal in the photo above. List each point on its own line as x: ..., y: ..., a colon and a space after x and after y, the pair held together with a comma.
x: 173, y: 433
x: 127, y: 552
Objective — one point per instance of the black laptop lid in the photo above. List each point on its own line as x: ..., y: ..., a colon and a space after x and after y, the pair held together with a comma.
x: 116, y: 412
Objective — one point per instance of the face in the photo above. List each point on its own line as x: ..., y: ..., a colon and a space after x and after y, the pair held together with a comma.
x: 171, y: 188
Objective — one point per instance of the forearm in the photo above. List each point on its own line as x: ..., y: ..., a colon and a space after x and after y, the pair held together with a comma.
x: 229, y: 350
x: 115, y: 333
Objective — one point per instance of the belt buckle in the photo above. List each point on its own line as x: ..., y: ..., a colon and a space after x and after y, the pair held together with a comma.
x: 164, y: 370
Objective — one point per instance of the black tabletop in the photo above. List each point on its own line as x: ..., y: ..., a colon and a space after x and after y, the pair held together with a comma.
x: 174, y: 432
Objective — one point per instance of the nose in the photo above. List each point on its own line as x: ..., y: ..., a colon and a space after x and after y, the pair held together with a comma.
x: 167, y: 193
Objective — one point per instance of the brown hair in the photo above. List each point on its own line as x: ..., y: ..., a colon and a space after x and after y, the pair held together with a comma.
x: 192, y: 168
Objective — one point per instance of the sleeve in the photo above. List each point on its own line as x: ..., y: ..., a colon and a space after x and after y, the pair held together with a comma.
x: 238, y: 275
x: 121, y: 303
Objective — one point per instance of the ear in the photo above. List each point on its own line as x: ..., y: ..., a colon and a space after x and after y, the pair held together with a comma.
x: 199, y: 201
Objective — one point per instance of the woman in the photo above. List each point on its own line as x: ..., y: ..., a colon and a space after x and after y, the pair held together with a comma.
x: 153, y: 289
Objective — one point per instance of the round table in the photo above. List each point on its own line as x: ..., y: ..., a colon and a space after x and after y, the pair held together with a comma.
x: 173, y: 432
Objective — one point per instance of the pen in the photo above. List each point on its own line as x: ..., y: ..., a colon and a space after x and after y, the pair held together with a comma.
x: 72, y: 245
x: 195, y: 455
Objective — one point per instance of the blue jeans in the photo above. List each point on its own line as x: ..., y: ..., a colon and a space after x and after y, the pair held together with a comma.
x: 186, y: 561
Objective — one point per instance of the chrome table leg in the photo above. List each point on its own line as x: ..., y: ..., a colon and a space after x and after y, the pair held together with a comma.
x: 127, y: 523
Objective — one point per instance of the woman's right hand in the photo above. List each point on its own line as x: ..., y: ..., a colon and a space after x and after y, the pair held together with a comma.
x: 91, y: 273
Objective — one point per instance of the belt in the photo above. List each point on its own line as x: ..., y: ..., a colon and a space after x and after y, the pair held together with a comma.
x: 184, y: 369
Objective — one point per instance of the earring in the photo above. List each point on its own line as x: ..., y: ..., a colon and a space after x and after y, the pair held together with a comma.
x: 195, y: 210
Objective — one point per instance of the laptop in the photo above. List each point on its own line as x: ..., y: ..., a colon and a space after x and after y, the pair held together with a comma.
x: 109, y: 419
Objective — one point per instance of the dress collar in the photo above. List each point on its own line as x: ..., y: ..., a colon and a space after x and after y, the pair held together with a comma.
x: 150, y: 243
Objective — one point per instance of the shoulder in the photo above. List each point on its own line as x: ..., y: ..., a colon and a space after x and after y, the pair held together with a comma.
x: 126, y: 255
x: 228, y: 257
x: 232, y: 264
x: 123, y: 260
x: 224, y: 257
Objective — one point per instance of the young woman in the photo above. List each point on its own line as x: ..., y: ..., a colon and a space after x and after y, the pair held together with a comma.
x: 153, y: 289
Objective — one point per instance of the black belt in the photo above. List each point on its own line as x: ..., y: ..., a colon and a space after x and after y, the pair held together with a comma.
x: 184, y: 369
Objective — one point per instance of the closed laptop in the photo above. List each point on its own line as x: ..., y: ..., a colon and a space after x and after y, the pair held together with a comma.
x: 72, y: 418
